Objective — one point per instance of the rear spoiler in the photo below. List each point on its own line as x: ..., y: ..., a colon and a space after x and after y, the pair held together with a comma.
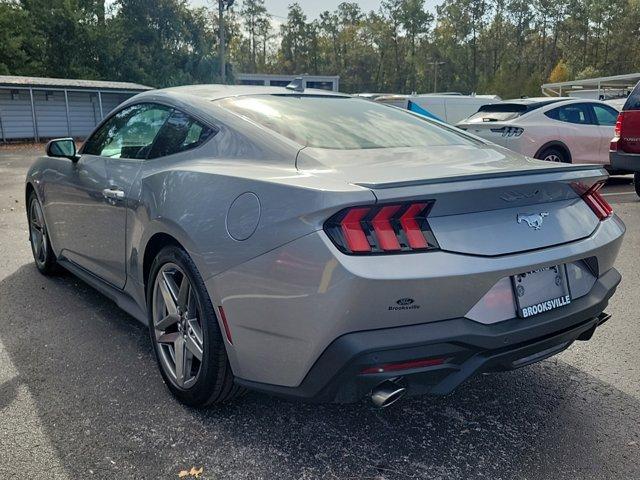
x: 569, y: 172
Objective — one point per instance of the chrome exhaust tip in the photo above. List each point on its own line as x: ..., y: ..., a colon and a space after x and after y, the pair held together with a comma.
x: 387, y: 393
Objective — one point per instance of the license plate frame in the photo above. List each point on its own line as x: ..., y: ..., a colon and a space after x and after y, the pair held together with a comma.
x: 542, y: 290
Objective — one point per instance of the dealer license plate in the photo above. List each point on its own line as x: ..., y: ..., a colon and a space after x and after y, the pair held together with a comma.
x: 541, y: 290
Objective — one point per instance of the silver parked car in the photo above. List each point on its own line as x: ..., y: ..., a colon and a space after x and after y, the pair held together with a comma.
x: 318, y: 246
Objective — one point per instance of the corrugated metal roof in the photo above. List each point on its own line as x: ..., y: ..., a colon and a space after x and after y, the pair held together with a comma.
x: 18, y: 81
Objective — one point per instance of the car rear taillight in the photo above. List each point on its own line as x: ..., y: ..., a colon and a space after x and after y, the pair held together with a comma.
x: 394, y: 228
x: 594, y: 199
x: 617, y: 131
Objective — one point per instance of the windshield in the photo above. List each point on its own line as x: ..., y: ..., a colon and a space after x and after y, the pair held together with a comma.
x: 341, y: 122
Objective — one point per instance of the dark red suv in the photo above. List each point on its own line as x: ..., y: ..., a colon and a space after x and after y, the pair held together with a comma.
x: 624, y: 152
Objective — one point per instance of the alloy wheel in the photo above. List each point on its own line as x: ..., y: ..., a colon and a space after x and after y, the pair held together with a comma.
x: 38, y: 233
x: 552, y: 157
x: 177, y: 325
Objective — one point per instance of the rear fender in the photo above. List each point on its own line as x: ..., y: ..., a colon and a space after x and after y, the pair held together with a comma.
x: 224, y: 218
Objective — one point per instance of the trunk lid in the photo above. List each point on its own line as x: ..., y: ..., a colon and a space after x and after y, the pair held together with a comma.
x: 488, y: 200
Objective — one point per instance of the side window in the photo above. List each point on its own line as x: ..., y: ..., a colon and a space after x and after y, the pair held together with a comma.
x: 129, y: 133
x: 575, y: 113
x: 605, y: 115
x: 180, y: 133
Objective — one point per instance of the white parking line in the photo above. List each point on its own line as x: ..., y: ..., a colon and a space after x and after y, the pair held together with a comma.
x: 616, y: 194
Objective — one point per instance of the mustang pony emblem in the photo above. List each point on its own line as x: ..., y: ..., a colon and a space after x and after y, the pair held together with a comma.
x: 534, y: 220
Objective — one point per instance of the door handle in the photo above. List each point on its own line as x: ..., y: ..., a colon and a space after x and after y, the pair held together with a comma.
x: 113, y: 193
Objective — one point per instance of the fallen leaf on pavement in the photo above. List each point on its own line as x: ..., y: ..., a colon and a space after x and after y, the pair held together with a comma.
x: 194, y: 472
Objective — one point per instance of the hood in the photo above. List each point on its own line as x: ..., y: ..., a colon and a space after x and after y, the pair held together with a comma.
x: 394, y: 167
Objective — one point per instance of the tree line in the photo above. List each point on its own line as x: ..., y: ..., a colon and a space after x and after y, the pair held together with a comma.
x: 506, y: 47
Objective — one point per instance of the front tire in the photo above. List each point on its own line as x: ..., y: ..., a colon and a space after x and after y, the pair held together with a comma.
x: 186, y: 338
x: 43, y: 254
x: 636, y: 182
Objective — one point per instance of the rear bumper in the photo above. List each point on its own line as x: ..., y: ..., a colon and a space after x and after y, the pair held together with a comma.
x: 629, y: 162
x: 468, y: 346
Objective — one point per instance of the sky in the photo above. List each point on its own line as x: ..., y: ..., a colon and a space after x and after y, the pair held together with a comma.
x: 313, y: 8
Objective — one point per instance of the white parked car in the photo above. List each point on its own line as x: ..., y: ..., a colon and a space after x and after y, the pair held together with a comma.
x: 563, y: 130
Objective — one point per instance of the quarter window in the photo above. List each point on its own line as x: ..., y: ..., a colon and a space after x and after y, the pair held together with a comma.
x: 606, y: 116
x: 180, y: 133
x: 129, y: 133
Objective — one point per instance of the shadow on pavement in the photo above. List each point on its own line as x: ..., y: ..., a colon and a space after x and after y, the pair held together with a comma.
x: 90, y: 369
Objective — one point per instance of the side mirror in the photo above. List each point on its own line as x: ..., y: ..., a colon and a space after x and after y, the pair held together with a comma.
x: 64, y: 148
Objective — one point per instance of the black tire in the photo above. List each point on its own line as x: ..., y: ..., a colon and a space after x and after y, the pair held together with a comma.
x: 214, y: 382
x: 43, y: 255
x: 553, y: 154
x: 636, y: 182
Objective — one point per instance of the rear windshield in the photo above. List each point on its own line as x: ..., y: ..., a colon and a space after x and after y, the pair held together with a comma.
x: 633, y: 102
x: 341, y: 122
x: 500, y: 112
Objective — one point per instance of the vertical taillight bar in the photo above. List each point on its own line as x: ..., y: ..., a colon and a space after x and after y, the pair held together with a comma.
x: 352, y: 230
x: 411, y: 228
x: 383, y: 229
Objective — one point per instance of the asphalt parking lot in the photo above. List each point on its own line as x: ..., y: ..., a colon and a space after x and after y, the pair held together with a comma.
x: 81, y: 397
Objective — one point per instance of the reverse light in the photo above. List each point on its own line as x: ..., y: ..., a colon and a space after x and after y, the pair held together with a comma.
x: 395, y: 367
x: 394, y: 228
x: 594, y: 199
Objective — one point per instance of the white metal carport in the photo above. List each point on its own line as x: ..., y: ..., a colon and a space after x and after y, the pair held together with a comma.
x: 600, y: 85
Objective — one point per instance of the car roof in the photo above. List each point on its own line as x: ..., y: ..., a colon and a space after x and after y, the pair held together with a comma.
x: 538, y: 101
x: 212, y: 92
x: 541, y: 101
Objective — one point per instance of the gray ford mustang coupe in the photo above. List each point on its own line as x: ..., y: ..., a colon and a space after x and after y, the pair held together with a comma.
x: 323, y: 247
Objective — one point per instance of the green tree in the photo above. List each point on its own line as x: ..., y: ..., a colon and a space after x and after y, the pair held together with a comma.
x: 560, y: 72
x: 297, y: 42
x: 163, y: 42
x: 255, y: 18
x: 19, y: 42
x: 415, y: 21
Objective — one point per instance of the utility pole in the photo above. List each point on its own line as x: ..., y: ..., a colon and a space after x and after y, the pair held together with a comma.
x: 435, y: 64
x: 222, y: 6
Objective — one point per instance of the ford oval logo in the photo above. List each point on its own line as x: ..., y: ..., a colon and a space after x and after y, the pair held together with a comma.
x: 405, y: 301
